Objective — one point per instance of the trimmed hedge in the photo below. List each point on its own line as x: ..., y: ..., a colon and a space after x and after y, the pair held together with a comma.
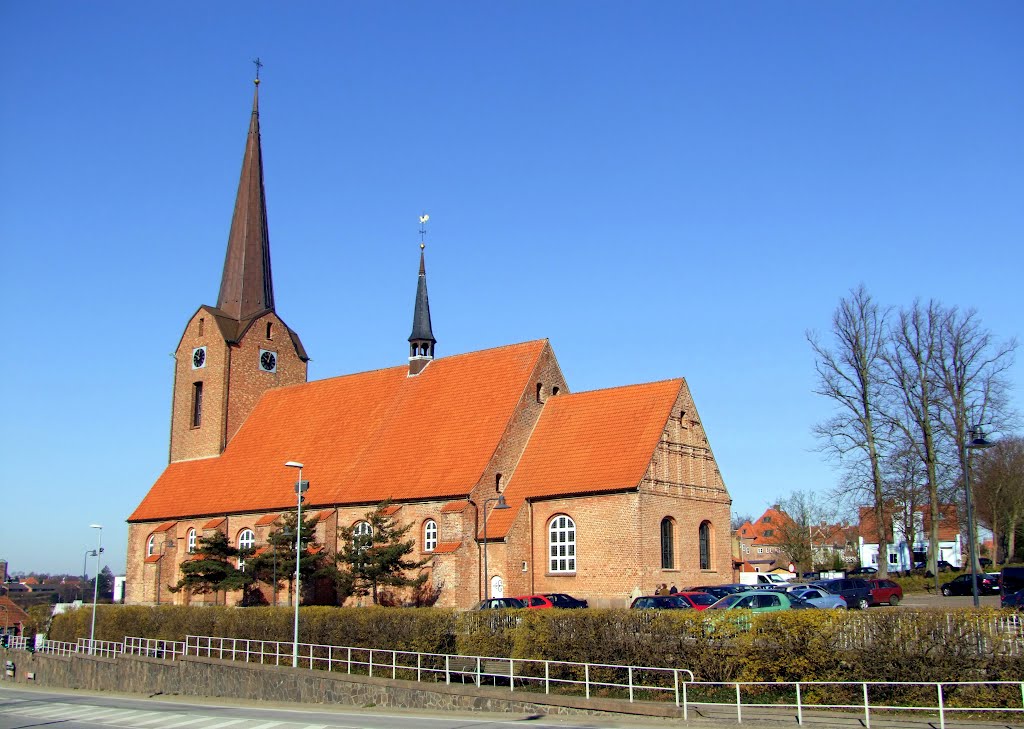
x: 804, y: 645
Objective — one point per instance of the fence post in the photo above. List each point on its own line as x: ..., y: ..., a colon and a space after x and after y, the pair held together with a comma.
x: 867, y: 708
x: 547, y: 679
x: 418, y: 664
x: 942, y: 711
x: 675, y: 684
x: 371, y: 663
x: 799, y: 708
x: 511, y: 674
x: 478, y: 669
x: 630, y: 674
x: 739, y: 706
x: 447, y: 671
x: 586, y: 677
x: 349, y: 662
x: 685, y: 706
x: 394, y: 664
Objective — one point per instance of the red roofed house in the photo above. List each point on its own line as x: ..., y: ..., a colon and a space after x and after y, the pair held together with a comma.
x: 907, y: 546
x: 610, y: 492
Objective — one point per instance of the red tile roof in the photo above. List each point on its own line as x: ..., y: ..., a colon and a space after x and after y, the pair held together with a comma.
x: 602, y: 440
x: 454, y: 506
x: 446, y: 547
x: 14, y: 613
x: 949, y: 526
x: 213, y: 523
x: 153, y: 558
x: 267, y: 519
x: 166, y: 526
x: 355, y: 433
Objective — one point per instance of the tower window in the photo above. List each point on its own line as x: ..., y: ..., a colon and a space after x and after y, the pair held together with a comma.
x: 197, y: 404
x: 270, y: 329
x: 540, y: 391
x: 201, y: 322
x: 554, y: 390
x: 497, y: 483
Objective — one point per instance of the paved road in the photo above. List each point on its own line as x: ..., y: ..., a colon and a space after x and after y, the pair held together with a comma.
x: 29, y: 708
x: 923, y: 599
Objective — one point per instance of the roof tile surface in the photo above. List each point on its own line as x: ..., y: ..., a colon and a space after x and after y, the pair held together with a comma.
x: 354, y: 433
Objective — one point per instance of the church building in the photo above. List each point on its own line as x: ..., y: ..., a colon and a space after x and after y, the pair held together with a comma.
x: 602, y: 494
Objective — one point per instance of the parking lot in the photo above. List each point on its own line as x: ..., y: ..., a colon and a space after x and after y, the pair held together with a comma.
x: 923, y: 599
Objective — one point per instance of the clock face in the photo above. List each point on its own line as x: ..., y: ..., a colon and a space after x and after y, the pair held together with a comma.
x: 198, y: 357
x: 268, y: 360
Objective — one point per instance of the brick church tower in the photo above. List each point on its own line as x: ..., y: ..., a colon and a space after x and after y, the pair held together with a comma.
x: 230, y: 354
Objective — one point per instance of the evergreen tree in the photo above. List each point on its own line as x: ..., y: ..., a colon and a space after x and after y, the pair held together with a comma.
x: 275, y: 563
x: 376, y: 559
x: 210, y: 569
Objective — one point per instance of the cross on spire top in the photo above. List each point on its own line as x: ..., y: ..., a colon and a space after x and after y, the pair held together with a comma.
x: 259, y: 65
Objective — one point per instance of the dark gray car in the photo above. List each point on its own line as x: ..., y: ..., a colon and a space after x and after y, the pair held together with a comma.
x: 857, y: 592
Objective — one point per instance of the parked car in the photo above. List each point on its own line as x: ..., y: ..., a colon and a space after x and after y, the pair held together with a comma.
x: 697, y: 600
x: 561, y: 600
x: 855, y: 591
x: 885, y: 591
x: 500, y: 603
x: 819, y: 597
x: 761, y: 601
x: 660, y: 602
x: 719, y: 591
x: 862, y: 571
x: 1011, y: 580
x: 961, y: 585
x: 1013, y: 600
x: 535, y: 602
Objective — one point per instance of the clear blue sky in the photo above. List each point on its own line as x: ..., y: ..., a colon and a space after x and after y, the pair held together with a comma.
x: 661, y: 189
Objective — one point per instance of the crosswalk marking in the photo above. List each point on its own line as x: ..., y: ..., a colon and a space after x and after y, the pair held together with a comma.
x: 161, y: 718
x: 187, y: 722
x: 265, y: 725
x: 132, y: 716
x: 229, y: 722
x: 96, y: 712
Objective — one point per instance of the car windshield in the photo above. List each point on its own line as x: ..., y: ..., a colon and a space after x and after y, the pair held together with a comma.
x: 702, y: 598
x: 726, y: 602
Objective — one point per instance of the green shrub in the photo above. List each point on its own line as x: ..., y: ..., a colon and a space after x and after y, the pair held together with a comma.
x: 804, y: 645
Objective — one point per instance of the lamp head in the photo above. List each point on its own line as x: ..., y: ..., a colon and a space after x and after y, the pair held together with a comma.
x: 95, y: 526
x: 293, y: 464
x: 501, y: 503
x: 978, y: 441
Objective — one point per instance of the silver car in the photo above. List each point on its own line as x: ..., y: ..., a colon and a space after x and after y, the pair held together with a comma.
x: 820, y: 598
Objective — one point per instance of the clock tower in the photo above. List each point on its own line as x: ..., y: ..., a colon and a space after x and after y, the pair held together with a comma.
x: 231, y: 353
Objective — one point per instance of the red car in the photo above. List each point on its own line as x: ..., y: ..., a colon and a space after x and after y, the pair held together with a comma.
x: 698, y: 600
x: 885, y: 591
x: 536, y: 602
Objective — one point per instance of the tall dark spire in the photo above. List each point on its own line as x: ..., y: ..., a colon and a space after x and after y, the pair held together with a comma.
x: 246, y: 288
x: 421, y: 341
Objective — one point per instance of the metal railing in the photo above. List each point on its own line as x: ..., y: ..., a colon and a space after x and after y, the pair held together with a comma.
x: 941, y: 698
x: 153, y: 648
x: 562, y: 677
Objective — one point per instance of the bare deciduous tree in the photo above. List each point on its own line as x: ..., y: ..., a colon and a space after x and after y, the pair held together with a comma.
x: 851, y: 374
x: 998, y: 480
x: 971, y: 369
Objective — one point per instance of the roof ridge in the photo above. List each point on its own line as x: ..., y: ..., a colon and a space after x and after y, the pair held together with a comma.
x: 568, y: 395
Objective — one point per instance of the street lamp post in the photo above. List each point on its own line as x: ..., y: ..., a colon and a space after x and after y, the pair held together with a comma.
x: 95, y: 586
x: 977, y: 442
x: 300, y: 488
x: 500, y: 504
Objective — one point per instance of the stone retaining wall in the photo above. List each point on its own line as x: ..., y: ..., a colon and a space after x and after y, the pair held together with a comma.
x: 210, y: 677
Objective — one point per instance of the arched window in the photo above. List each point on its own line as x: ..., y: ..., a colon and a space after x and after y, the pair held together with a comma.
x: 362, y: 535
x: 429, y: 535
x: 246, y: 541
x: 191, y: 541
x: 151, y: 546
x: 668, y: 544
x: 704, y: 537
x: 562, y: 545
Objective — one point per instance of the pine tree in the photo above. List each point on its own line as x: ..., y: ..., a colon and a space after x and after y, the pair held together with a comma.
x: 210, y: 569
x: 376, y: 559
x: 275, y: 562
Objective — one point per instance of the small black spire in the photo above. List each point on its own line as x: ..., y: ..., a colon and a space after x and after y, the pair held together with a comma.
x: 421, y: 341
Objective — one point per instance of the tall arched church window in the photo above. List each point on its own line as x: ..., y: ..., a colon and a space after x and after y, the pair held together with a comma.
x: 191, y: 541
x: 668, y: 544
x: 151, y: 546
x: 562, y: 544
x: 362, y: 535
x: 429, y: 535
x: 704, y: 537
x: 246, y: 541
